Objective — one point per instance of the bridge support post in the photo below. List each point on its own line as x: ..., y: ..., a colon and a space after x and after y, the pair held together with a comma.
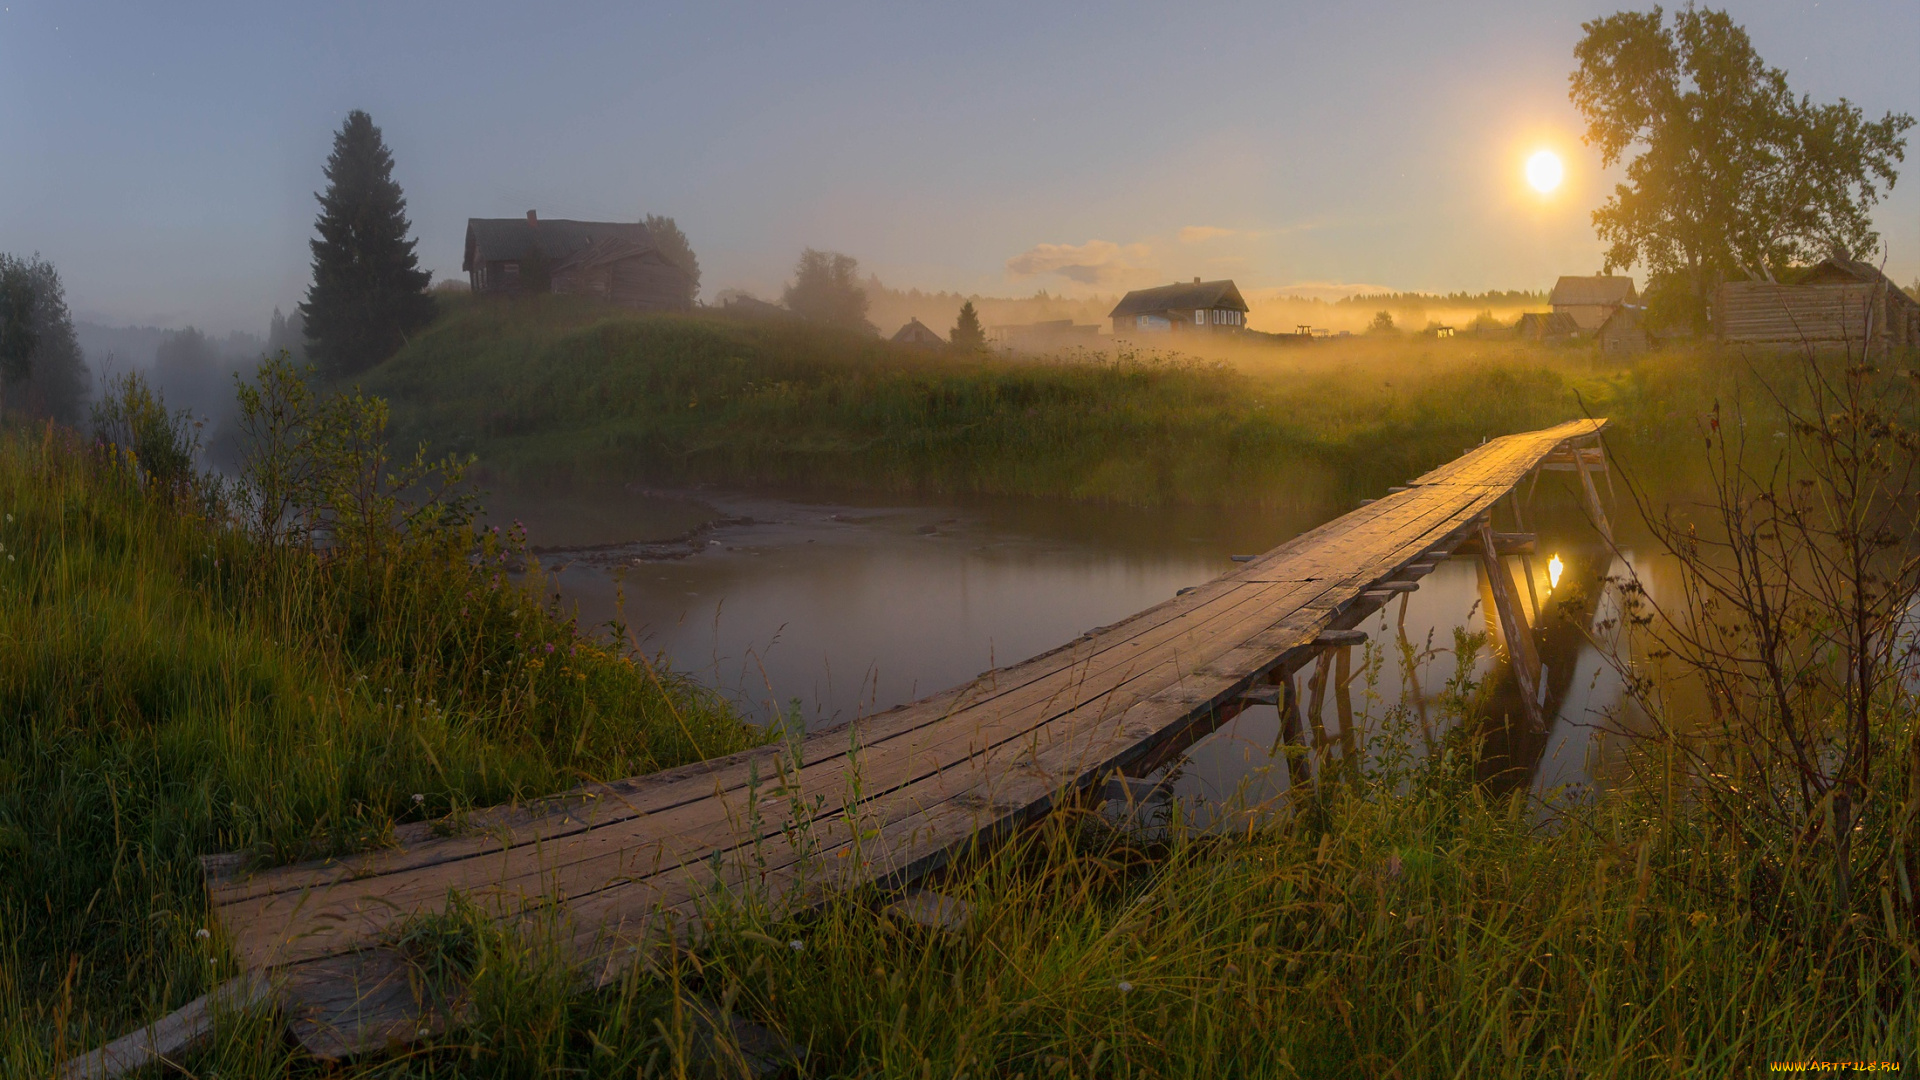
x: 1526, y: 662
x: 1299, y: 770
x: 1343, y: 706
x: 1592, y: 493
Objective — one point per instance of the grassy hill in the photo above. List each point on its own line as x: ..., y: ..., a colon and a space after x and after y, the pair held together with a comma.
x: 559, y: 391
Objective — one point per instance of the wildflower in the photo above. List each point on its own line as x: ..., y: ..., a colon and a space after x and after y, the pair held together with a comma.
x: 797, y: 946
x: 418, y: 798
x: 201, y: 933
x: 549, y: 646
x: 1125, y: 987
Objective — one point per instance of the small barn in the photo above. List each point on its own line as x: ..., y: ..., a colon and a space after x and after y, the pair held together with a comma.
x: 613, y: 261
x: 1202, y: 307
x: 1591, y: 301
x: 918, y: 333
x: 1836, y: 302
x: 1624, y: 332
x: 1546, y: 326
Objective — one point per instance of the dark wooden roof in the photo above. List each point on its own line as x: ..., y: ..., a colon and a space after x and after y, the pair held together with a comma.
x: 1598, y: 290
x: 515, y: 239
x: 602, y: 251
x: 917, y: 333
x: 1184, y: 297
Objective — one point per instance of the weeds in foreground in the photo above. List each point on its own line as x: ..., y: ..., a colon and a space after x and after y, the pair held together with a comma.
x: 173, y: 685
x: 1428, y: 931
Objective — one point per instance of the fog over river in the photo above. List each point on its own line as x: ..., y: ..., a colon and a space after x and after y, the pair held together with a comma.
x: 843, y: 609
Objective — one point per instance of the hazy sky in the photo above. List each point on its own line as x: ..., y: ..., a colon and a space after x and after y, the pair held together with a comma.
x: 164, y: 156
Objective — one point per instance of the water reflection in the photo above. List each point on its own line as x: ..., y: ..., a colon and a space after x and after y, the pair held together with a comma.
x: 844, y: 609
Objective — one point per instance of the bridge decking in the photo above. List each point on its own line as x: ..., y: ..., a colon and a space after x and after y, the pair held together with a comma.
x: 885, y: 799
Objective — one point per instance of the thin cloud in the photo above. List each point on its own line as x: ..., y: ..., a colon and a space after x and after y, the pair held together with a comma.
x: 1200, y: 234
x: 1096, y: 262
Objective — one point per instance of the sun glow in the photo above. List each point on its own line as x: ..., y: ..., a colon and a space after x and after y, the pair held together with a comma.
x: 1544, y: 171
x: 1554, y: 567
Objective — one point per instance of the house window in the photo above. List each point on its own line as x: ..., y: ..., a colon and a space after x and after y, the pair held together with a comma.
x: 512, y: 271
x: 1152, y: 322
x: 1199, y: 317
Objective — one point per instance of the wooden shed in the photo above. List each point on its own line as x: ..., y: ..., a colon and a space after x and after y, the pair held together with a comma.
x: 1546, y: 326
x: 1623, y: 334
x: 1836, y: 302
x: 613, y: 261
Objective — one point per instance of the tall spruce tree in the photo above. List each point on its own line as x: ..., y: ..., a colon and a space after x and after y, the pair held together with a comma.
x: 368, y: 292
x: 967, y: 333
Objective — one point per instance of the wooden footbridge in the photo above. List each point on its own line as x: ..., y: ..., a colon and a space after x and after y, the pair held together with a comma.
x: 615, y: 868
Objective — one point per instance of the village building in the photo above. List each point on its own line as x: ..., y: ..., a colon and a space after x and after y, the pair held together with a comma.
x: 918, y: 333
x: 613, y: 261
x: 1623, y: 334
x: 1202, y: 307
x: 1591, y: 301
x: 1546, y: 326
x: 1836, y: 302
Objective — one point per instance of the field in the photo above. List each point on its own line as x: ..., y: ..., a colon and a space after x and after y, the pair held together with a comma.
x: 557, y: 393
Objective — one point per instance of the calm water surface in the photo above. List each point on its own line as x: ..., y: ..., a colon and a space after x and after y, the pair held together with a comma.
x: 836, y: 610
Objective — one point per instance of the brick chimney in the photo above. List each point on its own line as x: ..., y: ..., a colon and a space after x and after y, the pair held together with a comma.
x: 1196, y: 281
x: 534, y: 219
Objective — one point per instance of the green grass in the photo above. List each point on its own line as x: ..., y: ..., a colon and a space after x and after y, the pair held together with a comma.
x: 168, y: 689
x: 559, y: 391
x: 1379, y: 931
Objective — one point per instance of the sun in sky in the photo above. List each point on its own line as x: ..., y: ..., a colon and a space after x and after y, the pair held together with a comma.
x: 1544, y: 171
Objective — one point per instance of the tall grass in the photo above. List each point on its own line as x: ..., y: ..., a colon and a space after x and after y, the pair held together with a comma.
x: 562, y: 390
x: 1379, y: 930
x: 170, y: 688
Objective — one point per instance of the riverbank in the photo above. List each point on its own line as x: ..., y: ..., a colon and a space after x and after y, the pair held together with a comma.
x: 176, y: 692
x: 170, y: 688
x: 554, y: 391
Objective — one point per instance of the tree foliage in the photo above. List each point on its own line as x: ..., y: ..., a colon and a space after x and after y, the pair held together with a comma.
x: 42, y: 371
x: 368, y: 293
x: 1728, y: 174
x: 674, y: 245
x: 825, y: 288
x: 1382, y: 323
x: 967, y: 332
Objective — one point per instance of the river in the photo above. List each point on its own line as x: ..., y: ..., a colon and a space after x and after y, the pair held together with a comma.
x: 826, y: 610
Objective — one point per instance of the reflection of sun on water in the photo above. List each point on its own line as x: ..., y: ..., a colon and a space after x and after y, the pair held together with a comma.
x: 1544, y: 171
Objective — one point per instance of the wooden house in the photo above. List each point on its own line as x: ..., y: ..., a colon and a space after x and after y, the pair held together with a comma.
x: 613, y: 261
x: 1623, y: 334
x: 918, y: 333
x: 1202, y: 307
x: 1836, y: 302
x: 1591, y: 301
